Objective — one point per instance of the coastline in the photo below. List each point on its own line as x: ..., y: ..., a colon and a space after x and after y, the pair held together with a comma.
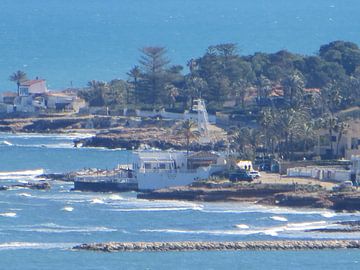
x: 283, y: 194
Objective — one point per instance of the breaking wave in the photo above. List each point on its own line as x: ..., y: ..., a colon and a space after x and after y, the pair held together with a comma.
x: 242, y: 226
x: 8, y: 214
x: 31, y: 245
x: 243, y: 229
x: 54, y: 228
x: 7, y: 143
x: 21, y: 174
x: 25, y: 195
x: 67, y: 209
x: 97, y: 201
x: 279, y: 218
x: 156, y: 209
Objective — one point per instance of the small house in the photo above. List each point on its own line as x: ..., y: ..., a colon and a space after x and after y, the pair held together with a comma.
x: 33, y: 87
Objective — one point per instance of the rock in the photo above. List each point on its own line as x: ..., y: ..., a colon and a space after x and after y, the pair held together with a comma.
x: 246, y: 245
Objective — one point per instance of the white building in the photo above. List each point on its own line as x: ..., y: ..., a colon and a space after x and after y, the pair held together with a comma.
x: 33, y: 87
x: 156, y: 170
x: 61, y: 101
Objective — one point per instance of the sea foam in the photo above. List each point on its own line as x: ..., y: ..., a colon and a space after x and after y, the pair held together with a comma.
x: 8, y: 214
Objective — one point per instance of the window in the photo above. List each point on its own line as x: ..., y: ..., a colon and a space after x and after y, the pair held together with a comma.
x: 24, y: 91
x: 147, y: 165
x: 354, y: 143
x: 162, y: 166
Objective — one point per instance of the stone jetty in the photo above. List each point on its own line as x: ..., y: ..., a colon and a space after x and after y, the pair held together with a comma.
x: 213, y: 246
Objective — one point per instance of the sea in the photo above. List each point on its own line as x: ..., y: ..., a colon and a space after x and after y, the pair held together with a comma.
x: 69, y: 42
x: 38, y: 228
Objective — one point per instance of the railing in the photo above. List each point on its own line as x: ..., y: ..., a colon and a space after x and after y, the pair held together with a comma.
x: 142, y: 170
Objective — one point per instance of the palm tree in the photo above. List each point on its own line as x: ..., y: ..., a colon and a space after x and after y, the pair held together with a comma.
x: 341, y: 129
x: 293, y: 88
x: 135, y: 76
x: 187, y: 129
x: 18, y: 77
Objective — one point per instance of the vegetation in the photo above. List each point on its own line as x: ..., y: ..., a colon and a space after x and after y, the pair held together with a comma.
x: 187, y: 129
x: 278, y: 98
x: 18, y: 77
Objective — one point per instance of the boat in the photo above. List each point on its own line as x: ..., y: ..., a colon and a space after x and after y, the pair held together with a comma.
x: 150, y: 170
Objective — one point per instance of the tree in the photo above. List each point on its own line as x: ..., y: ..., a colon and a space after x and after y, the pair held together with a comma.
x: 18, y: 77
x: 153, y: 63
x: 135, y: 76
x: 187, y: 129
x: 293, y: 88
x: 330, y: 123
x: 340, y: 128
x: 245, y: 140
x: 94, y: 94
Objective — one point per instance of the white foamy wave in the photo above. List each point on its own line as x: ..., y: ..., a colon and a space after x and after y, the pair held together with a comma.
x: 227, y: 208
x: 97, y: 201
x: 279, y: 218
x: 21, y: 174
x: 67, y: 208
x: 115, y: 197
x: 54, y: 228
x: 208, y: 232
x: 30, y: 245
x: 155, y: 209
x: 328, y: 214
x: 7, y: 143
x: 291, y: 229
x: 302, y: 226
x: 25, y: 195
x: 8, y: 214
x: 242, y: 226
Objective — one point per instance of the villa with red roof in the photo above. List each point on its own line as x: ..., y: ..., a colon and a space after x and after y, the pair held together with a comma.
x: 33, y: 87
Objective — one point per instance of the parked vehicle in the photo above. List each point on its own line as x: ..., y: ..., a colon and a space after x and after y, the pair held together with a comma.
x: 240, y: 175
x: 255, y: 174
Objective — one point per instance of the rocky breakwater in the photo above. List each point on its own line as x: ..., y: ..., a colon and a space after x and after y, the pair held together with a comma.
x: 211, y: 246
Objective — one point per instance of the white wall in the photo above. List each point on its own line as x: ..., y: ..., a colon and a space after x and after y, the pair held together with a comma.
x: 38, y: 88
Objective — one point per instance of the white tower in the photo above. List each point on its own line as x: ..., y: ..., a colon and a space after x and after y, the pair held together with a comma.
x: 202, y: 120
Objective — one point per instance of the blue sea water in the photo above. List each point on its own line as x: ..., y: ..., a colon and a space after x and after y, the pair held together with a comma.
x: 38, y: 228
x: 77, y: 41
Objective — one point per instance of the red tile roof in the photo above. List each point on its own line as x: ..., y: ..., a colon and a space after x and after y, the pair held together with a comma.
x: 9, y: 94
x: 31, y: 82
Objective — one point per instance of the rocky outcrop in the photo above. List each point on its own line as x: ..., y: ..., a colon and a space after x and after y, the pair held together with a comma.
x: 236, y: 192
x: 66, y: 177
x: 349, y: 201
x: 301, y: 199
x: 308, y: 196
x: 206, y: 246
x: 154, y: 137
x: 38, y: 186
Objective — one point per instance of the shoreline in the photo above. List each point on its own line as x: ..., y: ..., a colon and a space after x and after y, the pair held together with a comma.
x: 269, y: 194
x: 277, y: 245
